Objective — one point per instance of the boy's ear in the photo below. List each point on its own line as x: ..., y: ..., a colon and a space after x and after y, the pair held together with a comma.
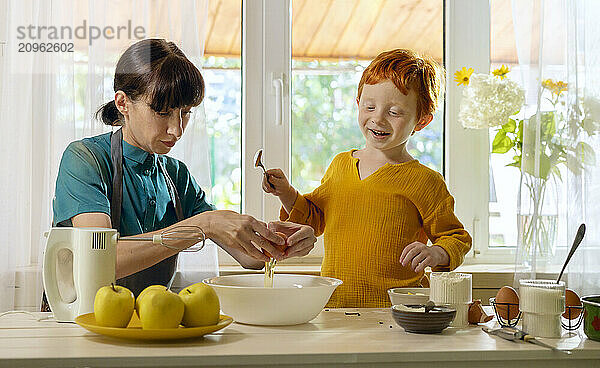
x: 425, y: 120
x: 357, y: 100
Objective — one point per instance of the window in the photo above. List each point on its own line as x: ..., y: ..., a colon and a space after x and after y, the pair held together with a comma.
x: 331, y: 46
x: 486, y: 190
x: 221, y: 68
x: 223, y: 104
x: 324, y: 114
x: 316, y: 51
x: 504, y: 180
x: 466, y: 152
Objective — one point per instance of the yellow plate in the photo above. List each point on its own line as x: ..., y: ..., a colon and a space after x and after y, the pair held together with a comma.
x: 134, y: 331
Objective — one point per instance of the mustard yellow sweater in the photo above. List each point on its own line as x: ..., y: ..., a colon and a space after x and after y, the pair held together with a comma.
x: 366, y: 224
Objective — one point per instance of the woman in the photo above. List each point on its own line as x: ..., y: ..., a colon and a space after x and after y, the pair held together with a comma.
x: 123, y: 180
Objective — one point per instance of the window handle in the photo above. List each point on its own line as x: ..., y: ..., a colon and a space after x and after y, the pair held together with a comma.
x: 474, y: 242
x: 278, y: 86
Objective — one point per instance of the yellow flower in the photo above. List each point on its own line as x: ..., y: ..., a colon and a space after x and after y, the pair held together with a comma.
x: 548, y: 84
x: 560, y: 87
x: 463, y: 76
x: 501, y: 72
x: 556, y: 88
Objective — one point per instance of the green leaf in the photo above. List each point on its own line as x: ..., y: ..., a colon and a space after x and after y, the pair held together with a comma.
x: 590, y: 126
x: 585, y: 153
x: 502, y: 143
x: 548, y: 125
x: 510, y: 127
x: 545, y: 163
x: 573, y: 164
x: 556, y: 171
x: 516, y: 162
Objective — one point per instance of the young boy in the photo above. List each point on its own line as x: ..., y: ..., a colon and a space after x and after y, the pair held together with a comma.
x: 377, y: 206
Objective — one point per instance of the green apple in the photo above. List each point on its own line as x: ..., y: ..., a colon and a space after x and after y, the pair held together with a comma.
x: 160, y: 309
x: 151, y: 287
x: 113, y: 306
x: 202, y: 306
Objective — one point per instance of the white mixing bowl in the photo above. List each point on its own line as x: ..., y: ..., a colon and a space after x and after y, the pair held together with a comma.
x: 292, y: 300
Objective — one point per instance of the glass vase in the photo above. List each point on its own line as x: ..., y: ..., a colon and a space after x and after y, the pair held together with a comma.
x: 537, y: 221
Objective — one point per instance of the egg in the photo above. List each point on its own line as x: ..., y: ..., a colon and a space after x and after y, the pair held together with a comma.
x: 506, y: 295
x: 572, y: 300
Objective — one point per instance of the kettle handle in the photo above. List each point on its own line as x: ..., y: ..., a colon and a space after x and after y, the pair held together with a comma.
x: 58, y: 238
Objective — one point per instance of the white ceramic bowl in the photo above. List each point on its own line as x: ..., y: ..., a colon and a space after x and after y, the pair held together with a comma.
x: 402, y: 296
x: 293, y: 299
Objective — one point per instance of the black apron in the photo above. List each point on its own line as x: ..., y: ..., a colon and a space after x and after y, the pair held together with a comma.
x: 161, y: 273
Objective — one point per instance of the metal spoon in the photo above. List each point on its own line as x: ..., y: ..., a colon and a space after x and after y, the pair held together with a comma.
x: 258, y: 163
x: 258, y: 160
x: 576, y: 242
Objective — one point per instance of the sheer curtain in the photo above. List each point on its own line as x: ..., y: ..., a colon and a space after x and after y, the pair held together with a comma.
x: 48, y: 100
x: 557, y: 41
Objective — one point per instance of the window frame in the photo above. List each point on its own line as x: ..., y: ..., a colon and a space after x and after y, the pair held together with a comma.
x: 266, y: 55
x: 466, y: 157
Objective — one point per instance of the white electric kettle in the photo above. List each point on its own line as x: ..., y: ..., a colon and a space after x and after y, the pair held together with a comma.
x: 77, y: 262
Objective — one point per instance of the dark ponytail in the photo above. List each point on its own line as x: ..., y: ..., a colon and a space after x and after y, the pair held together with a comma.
x: 109, y: 114
x: 158, y: 71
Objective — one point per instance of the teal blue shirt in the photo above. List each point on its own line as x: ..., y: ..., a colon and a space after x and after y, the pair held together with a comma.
x: 84, y: 184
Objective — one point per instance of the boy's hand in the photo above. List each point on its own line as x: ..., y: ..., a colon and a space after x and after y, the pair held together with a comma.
x: 419, y: 256
x: 275, y: 182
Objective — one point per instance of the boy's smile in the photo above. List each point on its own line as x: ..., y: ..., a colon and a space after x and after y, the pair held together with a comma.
x: 379, y: 134
x: 387, y: 117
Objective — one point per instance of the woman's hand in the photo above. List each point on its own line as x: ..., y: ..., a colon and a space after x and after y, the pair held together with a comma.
x: 419, y: 256
x: 237, y: 233
x: 300, y: 238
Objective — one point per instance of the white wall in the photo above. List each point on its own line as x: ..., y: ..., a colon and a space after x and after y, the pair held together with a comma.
x: 3, y: 35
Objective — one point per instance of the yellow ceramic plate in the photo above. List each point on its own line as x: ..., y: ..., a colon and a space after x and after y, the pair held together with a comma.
x: 134, y: 331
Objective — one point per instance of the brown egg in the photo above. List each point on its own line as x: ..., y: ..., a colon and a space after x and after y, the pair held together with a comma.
x: 280, y: 247
x: 507, y: 294
x: 572, y: 300
x: 477, y: 314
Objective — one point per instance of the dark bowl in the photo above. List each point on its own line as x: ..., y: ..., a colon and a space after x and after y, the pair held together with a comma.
x: 591, y: 319
x: 420, y: 322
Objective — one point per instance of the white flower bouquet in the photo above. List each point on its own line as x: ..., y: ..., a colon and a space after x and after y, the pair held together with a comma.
x: 489, y: 101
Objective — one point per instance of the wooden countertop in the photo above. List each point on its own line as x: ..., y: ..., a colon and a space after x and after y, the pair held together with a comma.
x: 331, y: 339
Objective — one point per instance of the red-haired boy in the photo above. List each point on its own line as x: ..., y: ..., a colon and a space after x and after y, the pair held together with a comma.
x: 378, y: 206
